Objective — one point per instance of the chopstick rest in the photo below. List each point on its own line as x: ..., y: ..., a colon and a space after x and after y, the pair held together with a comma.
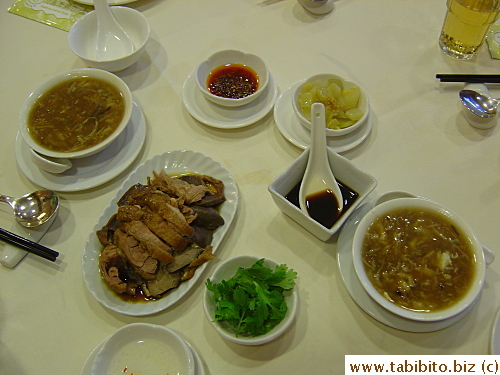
x: 28, y: 245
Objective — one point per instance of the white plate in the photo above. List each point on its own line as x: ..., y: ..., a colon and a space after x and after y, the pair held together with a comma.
x: 178, y: 161
x: 495, y: 335
x: 87, y: 366
x: 362, y: 298
x: 297, y: 134
x: 218, y: 116
x: 110, y: 2
x: 91, y: 171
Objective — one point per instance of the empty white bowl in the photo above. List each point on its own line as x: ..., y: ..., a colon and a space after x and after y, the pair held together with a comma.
x: 225, y: 271
x: 144, y: 348
x: 344, y: 171
x: 420, y: 203
x: 82, y: 38
x: 64, y: 76
x: 226, y: 57
x: 363, y: 104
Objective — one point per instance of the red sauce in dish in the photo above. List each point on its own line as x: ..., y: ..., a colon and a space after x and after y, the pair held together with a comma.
x: 233, y: 81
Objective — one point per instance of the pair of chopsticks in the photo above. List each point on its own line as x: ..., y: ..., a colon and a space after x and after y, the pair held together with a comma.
x: 28, y: 245
x: 469, y: 78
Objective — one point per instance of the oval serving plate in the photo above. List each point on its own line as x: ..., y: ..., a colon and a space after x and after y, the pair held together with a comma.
x: 177, y: 161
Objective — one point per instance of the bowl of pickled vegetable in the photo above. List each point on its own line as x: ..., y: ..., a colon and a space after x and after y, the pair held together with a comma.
x: 346, y: 104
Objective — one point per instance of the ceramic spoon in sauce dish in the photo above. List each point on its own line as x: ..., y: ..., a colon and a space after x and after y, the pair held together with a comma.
x: 32, y: 210
x: 319, y: 194
x: 481, y: 104
x: 112, y: 41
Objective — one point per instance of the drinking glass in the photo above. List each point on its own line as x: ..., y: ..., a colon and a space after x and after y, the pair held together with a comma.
x: 465, y: 26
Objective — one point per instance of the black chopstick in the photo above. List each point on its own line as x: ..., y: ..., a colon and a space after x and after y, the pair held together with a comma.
x: 30, y: 246
x: 470, y: 78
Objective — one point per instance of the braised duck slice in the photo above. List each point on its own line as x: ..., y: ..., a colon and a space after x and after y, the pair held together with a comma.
x: 137, y: 254
x: 110, y: 262
x: 189, y: 193
x: 160, y: 204
x: 157, y: 249
x: 185, y: 258
x: 204, y: 257
x: 155, y: 223
x: 164, y: 281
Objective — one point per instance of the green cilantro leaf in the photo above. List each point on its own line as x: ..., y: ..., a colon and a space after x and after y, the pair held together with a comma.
x: 252, y: 301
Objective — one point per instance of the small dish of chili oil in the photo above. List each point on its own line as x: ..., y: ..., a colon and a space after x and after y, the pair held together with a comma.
x: 233, y: 81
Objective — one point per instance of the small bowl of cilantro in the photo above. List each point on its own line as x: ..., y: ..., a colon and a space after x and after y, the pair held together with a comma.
x: 251, y: 300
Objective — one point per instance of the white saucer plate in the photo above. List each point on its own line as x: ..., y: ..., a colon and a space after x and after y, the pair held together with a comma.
x: 297, y: 134
x: 87, y: 366
x: 495, y: 335
x: 221, y: 117
x: 174, y: 162
x: 362, y: 298
x: 110, y: 2
x: 91, y: 171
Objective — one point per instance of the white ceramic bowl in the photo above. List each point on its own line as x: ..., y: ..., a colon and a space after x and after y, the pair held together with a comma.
x: 61, y: 77
x: 343, y: 169
x: 231, y: 56
x: 144, y: 348
x: 82, y: 38
x: 478, y: 280
x: 227, y: 270
x: 363, y: 104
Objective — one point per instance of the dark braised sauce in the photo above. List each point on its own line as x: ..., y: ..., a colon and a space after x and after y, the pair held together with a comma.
x: 323, y: 206
x: 233, y: 81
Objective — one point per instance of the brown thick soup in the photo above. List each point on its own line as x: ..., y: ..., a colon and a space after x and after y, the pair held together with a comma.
x: 418, y: 260
x: 76, y: 114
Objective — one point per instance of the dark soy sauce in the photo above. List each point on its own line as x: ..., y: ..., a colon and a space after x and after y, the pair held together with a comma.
x: 323, y: 206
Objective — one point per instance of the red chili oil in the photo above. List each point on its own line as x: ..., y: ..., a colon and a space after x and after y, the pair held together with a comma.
x: 233, y: 81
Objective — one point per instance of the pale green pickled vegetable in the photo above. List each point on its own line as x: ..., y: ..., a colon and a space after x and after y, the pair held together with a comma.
x: 341, y: 104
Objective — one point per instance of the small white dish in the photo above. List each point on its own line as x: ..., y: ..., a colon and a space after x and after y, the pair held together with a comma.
x: 83, y: 35
x: 177, y: 162
x: 226, y: 270
x: 65, y: 76
x: 363, y: 103
x: 91, y: 171
x: 143, y: 347
x: 363, y: 299
x: 227, y: 57
x: 87, y: 365
x: 217, y: 116
x: 318, y: 7
x: 293, y: 131
x: 344, y: 171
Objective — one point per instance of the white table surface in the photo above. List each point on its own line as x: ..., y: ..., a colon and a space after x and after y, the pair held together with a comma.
x: 420, y: 142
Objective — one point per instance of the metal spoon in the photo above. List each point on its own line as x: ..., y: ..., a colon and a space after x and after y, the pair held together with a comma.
x: 32, y: 210
x: 481, y: 104
x: 112, y: 41
x: 318, y: 176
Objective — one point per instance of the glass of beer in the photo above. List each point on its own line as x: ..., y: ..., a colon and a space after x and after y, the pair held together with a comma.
x: 465, y: 26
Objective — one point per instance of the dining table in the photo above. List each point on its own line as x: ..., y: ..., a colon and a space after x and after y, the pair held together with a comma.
x: 418, y: 141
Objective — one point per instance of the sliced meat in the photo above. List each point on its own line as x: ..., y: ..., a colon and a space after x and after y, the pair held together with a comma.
x: 185, y: 258
x: 137, y: 254
x: 157, y: 249
x: 207, y: 217
x: 189, y: 193
x: 137, y: 189
x: 129, y: 213
x: 164, y: 281
x: 204, y: 257
x: 201, y: 236
x: 160, y: 204
x: 161, y: 228
x: 110, y: 263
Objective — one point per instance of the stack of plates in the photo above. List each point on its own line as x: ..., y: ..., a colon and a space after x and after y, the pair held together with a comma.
x: 142, y: 347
